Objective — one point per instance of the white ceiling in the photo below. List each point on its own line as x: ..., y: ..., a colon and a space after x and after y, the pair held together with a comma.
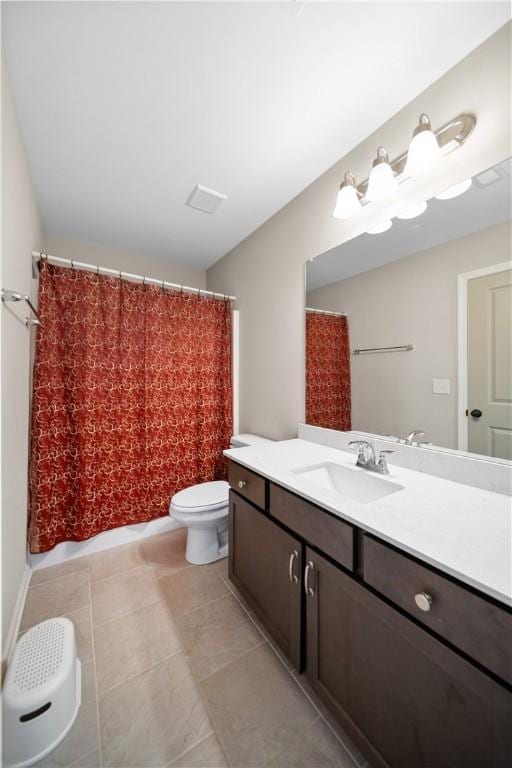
x: 125, y: 107
x: 444, y: 220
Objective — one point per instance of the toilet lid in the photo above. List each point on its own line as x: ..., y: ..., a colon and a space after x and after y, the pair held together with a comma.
x: 210, y: 494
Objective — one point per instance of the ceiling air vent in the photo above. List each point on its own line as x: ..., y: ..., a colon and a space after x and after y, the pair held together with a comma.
x: 205, y: 199
x: 491, y: 176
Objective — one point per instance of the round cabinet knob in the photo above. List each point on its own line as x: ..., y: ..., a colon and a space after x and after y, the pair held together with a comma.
x: 423, y: 601
x: 242, y: 483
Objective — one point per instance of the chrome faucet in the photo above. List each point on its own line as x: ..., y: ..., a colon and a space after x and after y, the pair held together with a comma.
x: 366, y: 457
x: 409, y: 440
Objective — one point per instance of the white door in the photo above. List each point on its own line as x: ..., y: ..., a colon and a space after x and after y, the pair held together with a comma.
x: 490, y: 365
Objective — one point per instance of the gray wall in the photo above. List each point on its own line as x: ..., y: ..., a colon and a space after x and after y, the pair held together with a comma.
x: 21, y: 232
x: 412, y: 300
x: 126, y: 261
x: 266, y: 271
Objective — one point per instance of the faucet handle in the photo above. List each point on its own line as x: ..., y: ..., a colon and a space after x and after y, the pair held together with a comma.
x: 382, y: 463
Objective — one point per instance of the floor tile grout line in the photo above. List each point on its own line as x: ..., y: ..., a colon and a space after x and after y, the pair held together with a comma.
x: 200, y: 607
x: 136, y: 543
x: 296, y: 681
x: 93, y: 643
x: 193, y: 746
x: 231, y: 661
x: 120, y: 573
x: 244, y: 608
x: 54, y: 578
x: 281, y: 751
x: 78, y: 762
x: 176, y: 619
x: 210, y: 733
x: 212, y: 721
x: 201, y: 695
x: 125, y: 615
x: 142, y: 671
x: 329, y: 726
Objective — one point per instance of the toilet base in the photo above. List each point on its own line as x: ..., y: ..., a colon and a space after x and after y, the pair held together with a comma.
x: 206, y: 545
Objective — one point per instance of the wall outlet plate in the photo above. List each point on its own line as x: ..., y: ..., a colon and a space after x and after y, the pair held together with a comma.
x: 441, y: 386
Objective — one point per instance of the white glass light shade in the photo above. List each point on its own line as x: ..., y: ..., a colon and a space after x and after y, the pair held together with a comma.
x: 347, y: 203
x: 378, y: 230
x: 413, y: 211
x: 381, y: 183
x: 456, y: 190
x: 423, y: 154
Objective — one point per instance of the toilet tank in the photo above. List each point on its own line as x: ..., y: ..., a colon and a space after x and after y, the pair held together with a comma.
x: 241, y: 441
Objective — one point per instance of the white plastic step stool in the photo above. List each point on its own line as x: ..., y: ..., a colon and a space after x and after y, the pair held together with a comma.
x: 42, y: 692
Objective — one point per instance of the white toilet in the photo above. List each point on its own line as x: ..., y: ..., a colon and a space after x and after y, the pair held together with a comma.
x: 204, y: 510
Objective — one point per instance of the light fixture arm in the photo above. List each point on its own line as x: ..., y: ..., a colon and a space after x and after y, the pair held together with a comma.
x: 457, y: 130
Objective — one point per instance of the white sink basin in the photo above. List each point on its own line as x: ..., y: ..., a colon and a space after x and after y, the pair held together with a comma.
x: 357, y: 484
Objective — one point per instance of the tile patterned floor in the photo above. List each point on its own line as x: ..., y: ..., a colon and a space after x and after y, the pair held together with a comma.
x: 177, y: 672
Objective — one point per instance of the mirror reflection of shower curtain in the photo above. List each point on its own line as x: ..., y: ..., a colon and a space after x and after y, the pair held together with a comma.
x: 328, y: 396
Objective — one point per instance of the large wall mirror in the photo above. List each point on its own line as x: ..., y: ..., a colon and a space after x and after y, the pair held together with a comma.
x: 410, y: 329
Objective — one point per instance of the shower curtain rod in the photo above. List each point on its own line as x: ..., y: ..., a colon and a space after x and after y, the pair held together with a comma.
x: 40, y: 255
x: 326, y: 312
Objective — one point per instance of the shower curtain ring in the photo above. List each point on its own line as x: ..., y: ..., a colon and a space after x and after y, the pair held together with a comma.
x: 144, y: 280
x: 98, y: 270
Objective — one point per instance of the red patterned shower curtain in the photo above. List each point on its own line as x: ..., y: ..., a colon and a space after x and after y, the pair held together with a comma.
x: 328, y: 400
x: 131, y: 402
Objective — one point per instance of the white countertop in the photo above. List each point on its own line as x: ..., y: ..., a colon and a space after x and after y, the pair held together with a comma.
x: 462, y: 530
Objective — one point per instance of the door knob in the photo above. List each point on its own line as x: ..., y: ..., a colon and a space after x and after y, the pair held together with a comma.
x: 476, y: 413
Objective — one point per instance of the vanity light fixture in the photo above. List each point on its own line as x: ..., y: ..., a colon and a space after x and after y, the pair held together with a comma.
x: 413, y: 211
x: 382, y: 181
x: 456, y: 190
x: 378, y: 230
x: 424, y: 152
x: 347, y: 202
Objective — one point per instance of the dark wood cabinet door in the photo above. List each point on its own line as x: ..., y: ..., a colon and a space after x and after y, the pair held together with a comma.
x: 407, y: 699
x: 265, y: 564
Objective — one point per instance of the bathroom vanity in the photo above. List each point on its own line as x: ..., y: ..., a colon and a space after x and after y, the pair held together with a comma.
x: 401, y: 624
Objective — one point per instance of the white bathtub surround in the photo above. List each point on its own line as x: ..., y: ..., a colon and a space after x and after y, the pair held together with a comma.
x: 127, y: 534
x: 464, y: 530
x: 468, y: 468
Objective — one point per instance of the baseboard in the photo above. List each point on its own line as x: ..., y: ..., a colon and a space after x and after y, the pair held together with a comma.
x: 127, y: 534
x: 14, y: 627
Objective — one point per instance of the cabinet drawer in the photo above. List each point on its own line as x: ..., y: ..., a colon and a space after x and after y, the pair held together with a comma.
x: 476, y: 626
x: 248, y: 484
x: 317, y: 527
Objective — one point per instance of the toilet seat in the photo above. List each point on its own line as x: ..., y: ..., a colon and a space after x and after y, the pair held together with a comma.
x: 204, y: 497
